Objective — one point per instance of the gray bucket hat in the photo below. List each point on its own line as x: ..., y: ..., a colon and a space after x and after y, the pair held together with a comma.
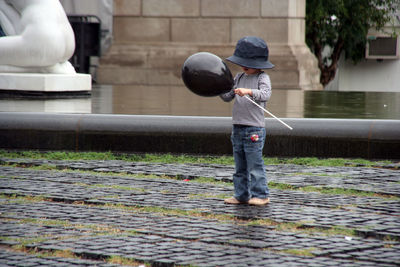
x: 251, y: 52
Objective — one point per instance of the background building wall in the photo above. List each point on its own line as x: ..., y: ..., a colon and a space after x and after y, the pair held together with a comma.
x: 152, y: 38
x: 209, y: 21
x: 369, y: 75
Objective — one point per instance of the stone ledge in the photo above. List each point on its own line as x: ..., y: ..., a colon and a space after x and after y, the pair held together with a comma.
x: 42, y: 82
x: 374, y: 139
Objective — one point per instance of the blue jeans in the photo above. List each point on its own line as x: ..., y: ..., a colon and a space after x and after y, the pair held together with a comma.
x: 250, y: 178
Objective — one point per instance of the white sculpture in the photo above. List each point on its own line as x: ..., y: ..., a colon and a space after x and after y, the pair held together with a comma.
x: 39, y: 37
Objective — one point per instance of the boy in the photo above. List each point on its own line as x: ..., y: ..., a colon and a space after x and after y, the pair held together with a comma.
x: 248, y: 131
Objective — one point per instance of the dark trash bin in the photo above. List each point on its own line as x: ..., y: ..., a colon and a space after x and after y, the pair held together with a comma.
x: 87, y: 30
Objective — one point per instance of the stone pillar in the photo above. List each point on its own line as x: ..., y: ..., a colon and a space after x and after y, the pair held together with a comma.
x: 152, y: 39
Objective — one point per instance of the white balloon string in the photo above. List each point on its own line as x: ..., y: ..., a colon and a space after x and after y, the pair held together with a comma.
x: 268, y: 112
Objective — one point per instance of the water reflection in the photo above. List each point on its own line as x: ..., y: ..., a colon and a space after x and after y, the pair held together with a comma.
x: 165, y: 100
x: 177, y: 100
x: 365, y: 105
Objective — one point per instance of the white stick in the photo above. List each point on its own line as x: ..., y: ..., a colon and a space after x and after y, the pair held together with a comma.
x: 268, y: 112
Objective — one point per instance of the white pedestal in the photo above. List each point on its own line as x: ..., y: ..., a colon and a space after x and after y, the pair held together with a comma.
x: 43, y: 82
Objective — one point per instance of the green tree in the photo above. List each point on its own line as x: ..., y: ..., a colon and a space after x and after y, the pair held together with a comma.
x: 342, y: 26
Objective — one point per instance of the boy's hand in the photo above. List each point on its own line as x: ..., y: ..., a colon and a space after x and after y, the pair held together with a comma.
x: 243, y: 91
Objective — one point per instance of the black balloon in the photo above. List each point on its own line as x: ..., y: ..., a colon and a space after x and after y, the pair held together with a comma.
x: 205, y: 74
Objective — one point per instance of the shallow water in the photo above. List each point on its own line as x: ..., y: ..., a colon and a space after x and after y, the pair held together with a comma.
x: 177, y: 100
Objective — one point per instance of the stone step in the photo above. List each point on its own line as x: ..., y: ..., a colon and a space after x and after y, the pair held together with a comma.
x: 160, y: 64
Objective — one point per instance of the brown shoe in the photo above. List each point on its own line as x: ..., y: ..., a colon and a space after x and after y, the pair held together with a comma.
x: 258, y: 201
x: 233, y: 200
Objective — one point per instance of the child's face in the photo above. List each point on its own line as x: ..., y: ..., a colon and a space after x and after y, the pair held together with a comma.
x: 249, y: 71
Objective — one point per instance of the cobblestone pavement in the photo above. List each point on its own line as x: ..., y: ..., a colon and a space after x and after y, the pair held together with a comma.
x: 94, y: 211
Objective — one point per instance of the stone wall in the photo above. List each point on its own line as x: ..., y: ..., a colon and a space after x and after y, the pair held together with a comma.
x: 152, y: 38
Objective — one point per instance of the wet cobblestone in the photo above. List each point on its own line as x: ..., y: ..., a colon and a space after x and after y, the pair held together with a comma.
x: 296, y: 175
x: 9, y: 258
x: 96, y: 216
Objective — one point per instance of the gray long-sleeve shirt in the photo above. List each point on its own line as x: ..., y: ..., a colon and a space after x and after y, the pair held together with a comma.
x: 244, y: 112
